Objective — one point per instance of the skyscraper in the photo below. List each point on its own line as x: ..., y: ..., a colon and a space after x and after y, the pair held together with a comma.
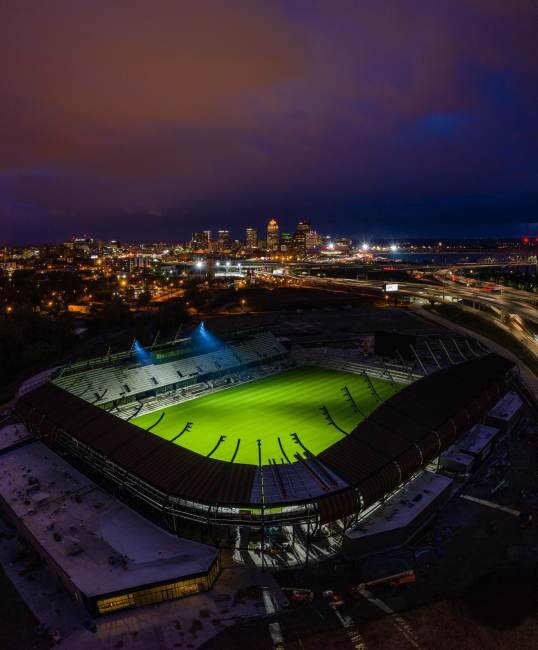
x: 251, y: 238
x: 299, y: 238
x: 286, y: 242
x: 199, y: 241
x: 273, y: 238
x: 304, y: 226
x: 224, y: 242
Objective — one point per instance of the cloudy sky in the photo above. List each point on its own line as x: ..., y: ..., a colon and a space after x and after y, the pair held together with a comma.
x: 149, y: 119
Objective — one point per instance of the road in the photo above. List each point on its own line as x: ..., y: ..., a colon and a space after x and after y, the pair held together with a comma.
x: 526, y: 373
x: 166, y: 295
x: 513, y: 310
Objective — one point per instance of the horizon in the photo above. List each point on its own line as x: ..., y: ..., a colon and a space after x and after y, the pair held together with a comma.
x: 432, y: 240
x: 149, y: 119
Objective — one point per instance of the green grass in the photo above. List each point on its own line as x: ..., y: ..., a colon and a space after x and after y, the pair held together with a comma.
x: 273, y: 407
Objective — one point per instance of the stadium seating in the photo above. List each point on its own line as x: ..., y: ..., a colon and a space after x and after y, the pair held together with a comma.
x: 397, y: 374
x: 405, y: 433
x: 177, y: 395
x: 106, y: 385
x: 305, y: 479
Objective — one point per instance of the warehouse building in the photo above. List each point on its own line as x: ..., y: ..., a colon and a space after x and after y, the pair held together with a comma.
x: 105, y: 554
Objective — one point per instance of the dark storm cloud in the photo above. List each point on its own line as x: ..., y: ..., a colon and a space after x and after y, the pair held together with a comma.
x: 207, y: 110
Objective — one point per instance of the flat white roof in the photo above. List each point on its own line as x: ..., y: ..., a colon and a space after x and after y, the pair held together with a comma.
x: 12, y: 433
x: 403, y: 506
x: 458, y: 456
x: 507, y: 407
x: 477, y: 439
x: 104, y: 546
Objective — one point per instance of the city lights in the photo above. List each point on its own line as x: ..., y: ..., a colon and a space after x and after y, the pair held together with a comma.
x: 346, y: 454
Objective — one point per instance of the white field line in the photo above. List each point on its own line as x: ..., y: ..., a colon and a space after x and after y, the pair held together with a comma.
x: 275, y: 631
x: 400, y: 623
x: 352, y: 631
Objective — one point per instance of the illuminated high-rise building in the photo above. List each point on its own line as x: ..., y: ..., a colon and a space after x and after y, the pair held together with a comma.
x: 273, y: 237
x: 312, y: 242
x: 223, y: 240
x: 286, y: 242
x: 299, y: 238
x: 199, y: 241
x: 251, y: 238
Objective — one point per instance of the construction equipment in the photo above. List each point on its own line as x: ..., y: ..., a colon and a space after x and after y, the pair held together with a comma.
x: 394, y: 581
x: 335, y: 599
x: 298, y: 595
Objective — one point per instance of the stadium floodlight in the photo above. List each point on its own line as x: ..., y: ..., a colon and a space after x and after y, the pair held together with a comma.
x: 205, y: 338
x: 141, y: 354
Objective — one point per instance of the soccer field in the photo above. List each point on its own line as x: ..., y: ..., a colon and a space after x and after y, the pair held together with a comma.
x: 266, y: 410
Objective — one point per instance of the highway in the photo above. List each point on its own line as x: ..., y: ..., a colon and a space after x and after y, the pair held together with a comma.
x: 512, y: 310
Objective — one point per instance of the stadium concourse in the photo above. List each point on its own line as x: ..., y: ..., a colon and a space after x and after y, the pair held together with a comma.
x: 277, y: 451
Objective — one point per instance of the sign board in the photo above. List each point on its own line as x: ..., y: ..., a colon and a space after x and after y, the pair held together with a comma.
x: 390, y: 287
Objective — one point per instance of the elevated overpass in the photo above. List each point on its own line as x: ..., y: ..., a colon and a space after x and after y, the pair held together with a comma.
x: 514, y: 310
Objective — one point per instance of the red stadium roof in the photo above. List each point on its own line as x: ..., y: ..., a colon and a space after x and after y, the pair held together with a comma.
x: 396, y: 440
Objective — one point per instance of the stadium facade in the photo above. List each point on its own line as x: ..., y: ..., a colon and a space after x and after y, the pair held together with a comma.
x: 84, y: 410
x: 68, y: 485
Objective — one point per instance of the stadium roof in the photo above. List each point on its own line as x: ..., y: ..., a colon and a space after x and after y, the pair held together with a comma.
x: 396, y: 440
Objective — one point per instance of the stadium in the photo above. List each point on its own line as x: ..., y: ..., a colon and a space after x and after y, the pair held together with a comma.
x: 243, y: 432
x: 280, y: 453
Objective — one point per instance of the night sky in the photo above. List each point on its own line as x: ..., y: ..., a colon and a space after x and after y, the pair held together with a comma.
x: 149, y: 119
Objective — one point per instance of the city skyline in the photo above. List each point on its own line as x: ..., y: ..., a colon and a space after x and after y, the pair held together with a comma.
x: 268, y: 324
x: 239, y: 236
x: 401, y: 121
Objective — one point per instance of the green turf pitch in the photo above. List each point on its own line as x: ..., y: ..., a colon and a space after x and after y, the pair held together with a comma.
x: 267, y: 409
